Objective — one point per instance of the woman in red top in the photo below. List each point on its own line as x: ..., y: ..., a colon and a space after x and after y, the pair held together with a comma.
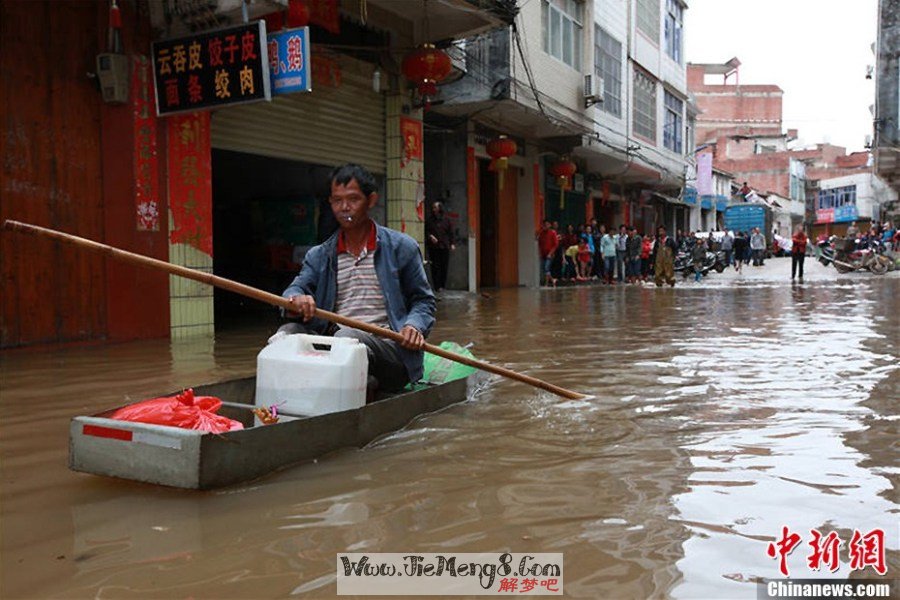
x: 646, y: 247
x: 798, y: 251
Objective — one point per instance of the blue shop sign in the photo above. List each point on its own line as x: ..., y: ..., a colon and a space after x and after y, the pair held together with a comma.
x: 721, y: 203
x: 690, y: 195
x: 843, y: 214
x: 706, y: 202
x: 289, y: 61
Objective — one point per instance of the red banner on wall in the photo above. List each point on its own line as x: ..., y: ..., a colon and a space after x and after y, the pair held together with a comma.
x: 411, y: 132
x: 326, y: 71
x: 538, y: 196
x: 472, y: 190
x: 326, y: 14
x: 190, y: 181
x: 146, y: 161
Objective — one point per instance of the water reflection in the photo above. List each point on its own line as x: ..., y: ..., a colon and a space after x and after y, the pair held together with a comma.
x: 719, y: 414
x: 774, y: 452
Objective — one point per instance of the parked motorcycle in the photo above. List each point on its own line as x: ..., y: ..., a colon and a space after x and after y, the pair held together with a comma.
x: 684, y: 263
x: 883, y: 255
x: 826, y: 251
x: 846, y: 258
x: 719, y: 264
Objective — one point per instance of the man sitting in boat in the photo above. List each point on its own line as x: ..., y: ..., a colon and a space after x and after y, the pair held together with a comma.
x: 369, y: 273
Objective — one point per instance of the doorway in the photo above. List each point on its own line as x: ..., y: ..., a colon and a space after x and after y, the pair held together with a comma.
x: 488, y: 226
x: 606, y: 213
x: 265, y: 217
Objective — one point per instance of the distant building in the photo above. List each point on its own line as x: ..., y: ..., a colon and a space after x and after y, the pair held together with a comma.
x: 887, y: 98
x: 602, y: 84
x: 841, y: 200
x: 742, y: 126
x: 748, y: 116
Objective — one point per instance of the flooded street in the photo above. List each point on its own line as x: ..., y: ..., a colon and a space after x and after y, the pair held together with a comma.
x: 722, y: 412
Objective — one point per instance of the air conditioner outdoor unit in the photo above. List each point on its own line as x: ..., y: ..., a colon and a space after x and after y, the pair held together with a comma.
x: 593, y: 89
x: 112, y: 71
x: 457, y: 53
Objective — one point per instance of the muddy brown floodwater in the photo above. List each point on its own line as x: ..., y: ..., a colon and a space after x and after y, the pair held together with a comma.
x: 722, y: 412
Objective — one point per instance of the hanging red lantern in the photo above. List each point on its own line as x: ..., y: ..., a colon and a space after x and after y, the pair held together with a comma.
x: 297, y: 13
x: 274, y: 22
x: 500, y: 149
x: 426, y: 66
x: 427, y: 89
x: 563, y: 170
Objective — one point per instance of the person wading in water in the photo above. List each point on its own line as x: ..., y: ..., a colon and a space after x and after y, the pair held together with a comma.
x: 663, y: 258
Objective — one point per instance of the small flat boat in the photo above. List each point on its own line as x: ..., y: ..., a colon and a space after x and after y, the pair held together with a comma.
x: 191, y: 459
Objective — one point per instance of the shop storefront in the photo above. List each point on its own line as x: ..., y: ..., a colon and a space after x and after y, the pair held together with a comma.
x: 186, y: 152
x: 835, y: 221
x: 270, y: 167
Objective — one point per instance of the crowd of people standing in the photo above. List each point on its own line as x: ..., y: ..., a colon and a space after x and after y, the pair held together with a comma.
x: 879, y: 233
x: 591, y: 252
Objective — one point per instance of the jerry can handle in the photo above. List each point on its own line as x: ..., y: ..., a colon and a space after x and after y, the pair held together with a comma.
x: 308, y: 340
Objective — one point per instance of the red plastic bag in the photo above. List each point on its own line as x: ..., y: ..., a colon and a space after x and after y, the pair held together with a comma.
x: 184, y: 410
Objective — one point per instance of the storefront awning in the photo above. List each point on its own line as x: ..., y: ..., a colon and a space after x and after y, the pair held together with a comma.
x: 670, y: 199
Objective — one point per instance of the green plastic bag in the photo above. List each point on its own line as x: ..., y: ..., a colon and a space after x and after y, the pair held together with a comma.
x: 441, y: 370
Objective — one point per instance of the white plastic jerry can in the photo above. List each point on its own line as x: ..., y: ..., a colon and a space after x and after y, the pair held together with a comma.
x: 298, y: 378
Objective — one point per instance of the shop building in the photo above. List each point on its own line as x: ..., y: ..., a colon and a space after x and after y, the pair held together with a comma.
x: 599, y: 110
x: 237, y: 190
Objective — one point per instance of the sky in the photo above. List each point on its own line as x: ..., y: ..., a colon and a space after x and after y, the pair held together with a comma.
x: 815, y: 50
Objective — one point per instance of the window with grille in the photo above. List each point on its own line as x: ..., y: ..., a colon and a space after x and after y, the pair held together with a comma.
x: 561, y: 23
x: 644, y: 108
x: 648, y: 18
x: 608, y: 66
x: 837, y: 197
x: 797, y: 188
x: 689, y: 139
x: 674, y: 29
x: 673, y: 125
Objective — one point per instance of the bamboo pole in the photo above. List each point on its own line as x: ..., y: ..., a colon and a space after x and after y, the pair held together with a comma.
x: 268, y: 298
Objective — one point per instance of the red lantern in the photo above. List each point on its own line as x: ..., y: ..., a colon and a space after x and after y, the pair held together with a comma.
x: 274, y: 21
x: 298, y: 13
x: 563, y: 170
x: 428, y: 89
x: 426, y: 66
x: 500, y: 149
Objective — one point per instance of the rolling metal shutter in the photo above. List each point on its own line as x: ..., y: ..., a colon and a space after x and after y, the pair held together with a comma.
x: 328, y: 126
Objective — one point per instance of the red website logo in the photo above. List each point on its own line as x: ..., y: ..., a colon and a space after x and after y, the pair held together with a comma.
x: 866, y: 550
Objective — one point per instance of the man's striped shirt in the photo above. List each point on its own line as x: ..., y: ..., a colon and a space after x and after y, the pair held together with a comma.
x: 359, y: 294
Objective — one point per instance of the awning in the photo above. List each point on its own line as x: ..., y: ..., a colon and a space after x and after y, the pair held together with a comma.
x: 670, y: 199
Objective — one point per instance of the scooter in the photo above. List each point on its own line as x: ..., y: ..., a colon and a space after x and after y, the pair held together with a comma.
x: 826, y: 251
x: 882, y: 254
x: 685, y: 264
x: 847, y: 258
x: 719, y: 265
